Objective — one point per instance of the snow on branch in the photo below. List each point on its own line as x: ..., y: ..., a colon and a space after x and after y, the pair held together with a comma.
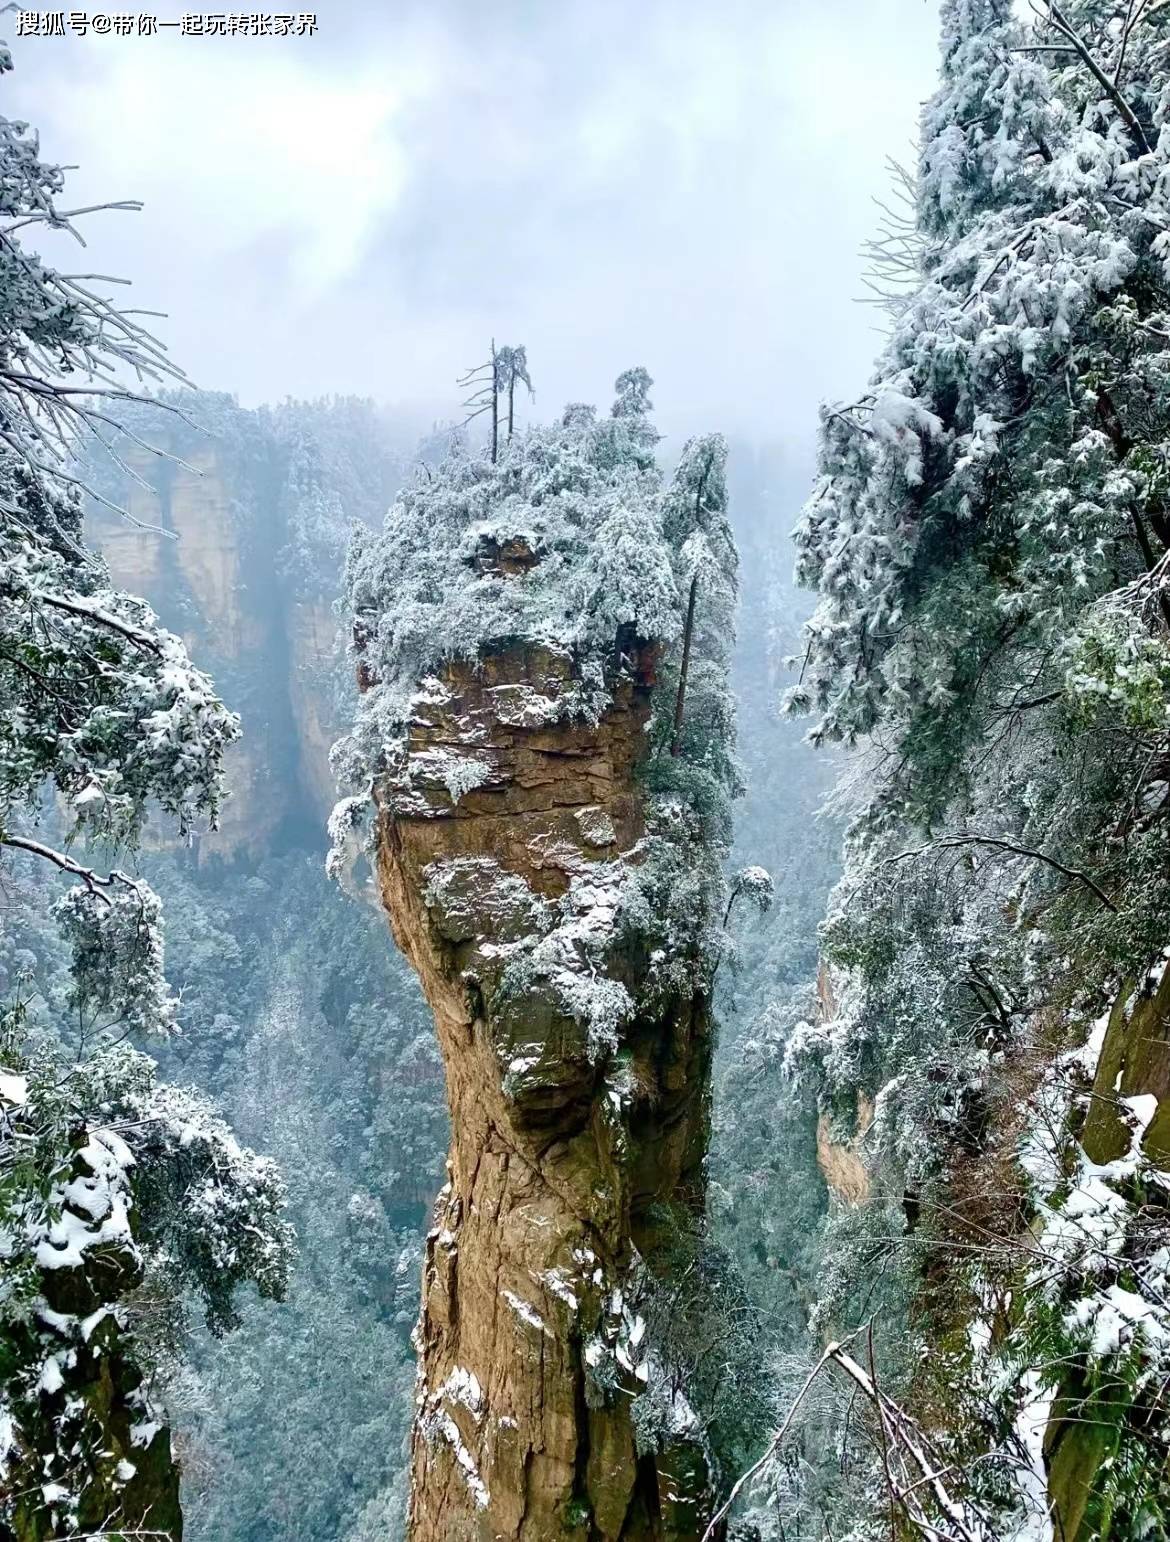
x: 58, y: 330
x: 1057, y: 18
x: 917, y: 1474
x: 1001, y: 843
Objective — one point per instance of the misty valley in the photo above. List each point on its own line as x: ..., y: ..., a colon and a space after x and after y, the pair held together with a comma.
x: 582, y: 969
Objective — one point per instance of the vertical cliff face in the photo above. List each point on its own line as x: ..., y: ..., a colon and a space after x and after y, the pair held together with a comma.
x: 204, y: 555
x: 532, y: 1346
x: 1069, y: 1186
x: 1125, y: 1142
x: 548, y: 825
x: 237, y: 545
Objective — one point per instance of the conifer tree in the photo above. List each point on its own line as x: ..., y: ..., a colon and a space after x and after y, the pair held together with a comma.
x: 989, y: 535
x: 107, y: 1178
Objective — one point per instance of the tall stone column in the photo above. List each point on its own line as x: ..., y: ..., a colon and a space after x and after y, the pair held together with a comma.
x: 505, y: 853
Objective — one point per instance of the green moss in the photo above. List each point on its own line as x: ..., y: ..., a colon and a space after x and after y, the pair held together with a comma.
x: 577, y: 1514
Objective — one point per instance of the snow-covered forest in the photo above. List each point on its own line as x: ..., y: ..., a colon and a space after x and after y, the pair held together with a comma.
x: 597, y: 969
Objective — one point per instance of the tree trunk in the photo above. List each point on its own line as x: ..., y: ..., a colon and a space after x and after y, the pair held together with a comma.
x: 495, y: 404
x: 686, y: 664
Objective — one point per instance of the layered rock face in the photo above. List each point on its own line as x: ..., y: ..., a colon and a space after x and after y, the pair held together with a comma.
x: 504, y: 849
x: 199, y: 578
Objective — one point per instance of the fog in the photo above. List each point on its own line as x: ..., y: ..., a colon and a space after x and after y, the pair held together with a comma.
x: 679, y: 185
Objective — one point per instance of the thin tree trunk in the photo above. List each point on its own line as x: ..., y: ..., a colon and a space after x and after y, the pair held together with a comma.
x: 1122, y: 444
x: 686, y: 664
x: 495, y: 404
x: 511, y: 402
x: 1143, y: 540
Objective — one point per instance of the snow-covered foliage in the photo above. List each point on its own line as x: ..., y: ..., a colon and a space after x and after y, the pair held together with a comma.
x: 989, y: 535
x: 951, y: 596
x: 988, y: 538
x: 557, y: 950
x: 337, y: 464
x: 160, y: 1176
x: 116, y: 935
x: 559, y: 543
x: 109, y: 1180
x: 106, y: 1179
x: 754, y: 884
x: 103, y: 703
x: 66, y: 349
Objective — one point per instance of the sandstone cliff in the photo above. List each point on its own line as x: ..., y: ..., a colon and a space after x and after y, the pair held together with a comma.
x: 532, y: 1345
x: 237, y: 544
x: 195, y: 573
x: 547, y: 842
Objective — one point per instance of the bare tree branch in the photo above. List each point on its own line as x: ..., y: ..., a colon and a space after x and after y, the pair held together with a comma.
x: 1001, y: 843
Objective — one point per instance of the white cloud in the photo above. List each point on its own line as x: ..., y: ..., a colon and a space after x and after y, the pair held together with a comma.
x: 667, y: 183
x: 227, y: 151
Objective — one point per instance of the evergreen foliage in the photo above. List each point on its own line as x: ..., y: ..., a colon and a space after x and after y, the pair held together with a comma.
x: 989, y: 537
x: 577, y: 497
x: 106, y: 1178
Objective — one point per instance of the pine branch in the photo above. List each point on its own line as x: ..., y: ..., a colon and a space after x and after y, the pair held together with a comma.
x: 1000, y: 843
x: 1128, y: 116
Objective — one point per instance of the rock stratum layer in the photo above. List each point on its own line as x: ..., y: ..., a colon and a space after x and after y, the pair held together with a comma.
x: 503, y: 850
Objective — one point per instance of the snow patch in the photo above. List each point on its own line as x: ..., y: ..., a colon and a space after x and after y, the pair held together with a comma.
x: 526, y: 1312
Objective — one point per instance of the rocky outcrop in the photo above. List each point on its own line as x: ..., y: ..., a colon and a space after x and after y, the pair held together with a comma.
x: 504, y: 849
x: 843, y: 1162
x: 1128, y: 1108
x: 1134, y: 1063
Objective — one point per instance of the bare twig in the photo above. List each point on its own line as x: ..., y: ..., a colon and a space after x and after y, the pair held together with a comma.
x: 774, y: 1446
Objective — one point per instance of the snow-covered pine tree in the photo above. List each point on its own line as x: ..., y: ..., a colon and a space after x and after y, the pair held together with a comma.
x: 108, y: 1181
x: 990, y: 538
x: 705, y: 561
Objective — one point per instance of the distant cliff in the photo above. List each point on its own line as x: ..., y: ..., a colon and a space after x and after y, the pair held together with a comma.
x: 236, y: 541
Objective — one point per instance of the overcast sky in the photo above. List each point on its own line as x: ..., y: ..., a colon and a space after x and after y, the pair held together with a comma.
x: 610, y: 182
